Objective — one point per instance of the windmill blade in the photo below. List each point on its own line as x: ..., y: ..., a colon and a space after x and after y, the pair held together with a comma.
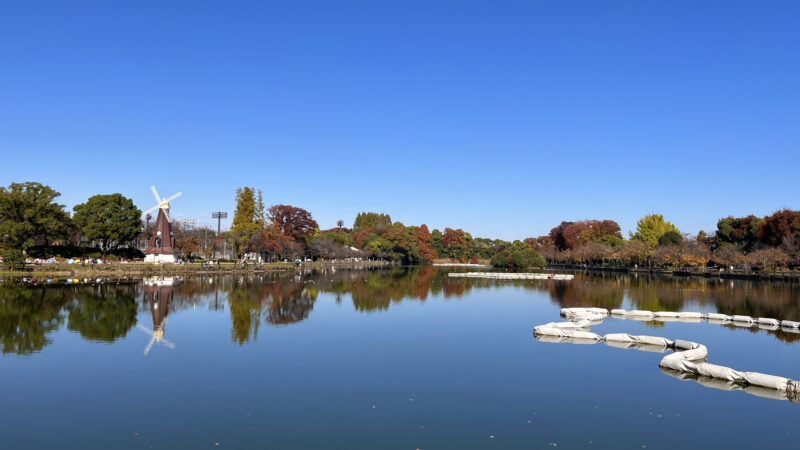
x: 174, y: 196
x: 155, y: 194
x: 166, y: 213
x: 150, y: 210
x: 149, y: 345
x: 168, y: 344
x: 144, y: 328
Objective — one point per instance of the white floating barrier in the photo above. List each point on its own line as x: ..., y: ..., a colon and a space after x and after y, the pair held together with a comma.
x: 688, y: 357
x: 690, y: 315
x: 512, y: 276
x: 715, y: 316
x: 770, y: 322
x: 725, y: 385
x: 742, y: 319
x: 789, y: 324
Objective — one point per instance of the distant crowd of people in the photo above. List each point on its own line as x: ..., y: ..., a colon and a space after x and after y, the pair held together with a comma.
x: 81, y: 261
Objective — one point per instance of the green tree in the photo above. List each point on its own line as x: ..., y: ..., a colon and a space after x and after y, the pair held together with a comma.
x: 650, y: 228
x: 404, y: 246
x: 366, y: 220
x: 518, y: 255
x: 739, y: 231
x: 339, y: 238
x: 670, y: 238
x: 13, y: 258
x: 260, y: 215
x: 436, y: 242
x: 111, y: 219
x: 29, y: 216
x: 244, y: 219
x: 378, y: 246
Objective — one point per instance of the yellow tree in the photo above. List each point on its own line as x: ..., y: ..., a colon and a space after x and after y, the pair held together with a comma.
x: 650, y: 228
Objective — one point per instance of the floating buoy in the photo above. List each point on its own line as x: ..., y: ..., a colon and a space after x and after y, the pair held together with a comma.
x: 688, y: 358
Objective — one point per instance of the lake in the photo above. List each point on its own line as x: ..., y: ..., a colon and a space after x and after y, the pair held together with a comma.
x: 400, y: 358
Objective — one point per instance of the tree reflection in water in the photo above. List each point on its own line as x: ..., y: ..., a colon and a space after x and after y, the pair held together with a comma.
x: 104, y: 313
x: 279, y: 300
x: 30, y: 314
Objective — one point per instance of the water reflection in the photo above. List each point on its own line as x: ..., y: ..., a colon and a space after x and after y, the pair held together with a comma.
x: 103, y: 313
x: 29, y: 315
x: 158, y: 294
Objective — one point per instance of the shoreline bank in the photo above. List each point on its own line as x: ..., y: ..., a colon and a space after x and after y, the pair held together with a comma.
x: 793, y: 276
x: 145, y: 270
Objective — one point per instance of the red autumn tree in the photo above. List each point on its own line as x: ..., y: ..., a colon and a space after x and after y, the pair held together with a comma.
x: 292, y: 221
x: 267, y: 239
x: 454, y: 242
x: 569, y: 235
x: 779, y: 226
x: 423, y: 239
x: 453, y: 238
x: 539, y: 243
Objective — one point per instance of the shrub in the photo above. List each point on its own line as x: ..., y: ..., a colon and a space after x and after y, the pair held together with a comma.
x: 13, y: 259
x: 518, y: 257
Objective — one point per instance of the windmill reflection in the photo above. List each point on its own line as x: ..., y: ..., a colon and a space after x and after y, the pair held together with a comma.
x: 158, y: 293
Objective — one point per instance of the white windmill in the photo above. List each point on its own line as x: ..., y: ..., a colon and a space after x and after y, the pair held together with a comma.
x: 162, y: 203
x: 161, y: 245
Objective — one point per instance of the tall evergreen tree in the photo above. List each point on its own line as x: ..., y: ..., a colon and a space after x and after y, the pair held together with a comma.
x: 244, y: 219
x: 260, y: 213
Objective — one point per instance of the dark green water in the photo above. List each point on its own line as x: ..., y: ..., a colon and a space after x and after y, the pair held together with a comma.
x: 398, y: 358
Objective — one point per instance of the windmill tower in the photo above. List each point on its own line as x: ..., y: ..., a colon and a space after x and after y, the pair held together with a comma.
x: 158, y: 294
x: 161, y: 247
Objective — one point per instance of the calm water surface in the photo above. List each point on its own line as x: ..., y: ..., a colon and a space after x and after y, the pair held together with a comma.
x: 397, y: 359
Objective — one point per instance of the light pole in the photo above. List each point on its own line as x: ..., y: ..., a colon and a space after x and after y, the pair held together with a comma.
x: 219, y: 215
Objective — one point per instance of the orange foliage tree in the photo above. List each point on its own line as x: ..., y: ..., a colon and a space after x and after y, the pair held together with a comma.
x: 423, y: 240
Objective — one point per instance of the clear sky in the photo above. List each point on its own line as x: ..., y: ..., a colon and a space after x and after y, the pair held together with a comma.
x: 502, y: 118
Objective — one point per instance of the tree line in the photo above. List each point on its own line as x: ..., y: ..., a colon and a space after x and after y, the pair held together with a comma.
x: 32, y: 223
x: 746, y: 243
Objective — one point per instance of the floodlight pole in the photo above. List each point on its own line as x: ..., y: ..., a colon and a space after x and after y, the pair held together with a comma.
x: 219, y: 215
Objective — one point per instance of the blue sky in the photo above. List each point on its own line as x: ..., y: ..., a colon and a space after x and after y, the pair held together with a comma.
x: 502, y: 118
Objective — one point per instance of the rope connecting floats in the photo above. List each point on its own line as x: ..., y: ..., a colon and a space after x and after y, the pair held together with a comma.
x: 689, y: 358
x: 512, y: 276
